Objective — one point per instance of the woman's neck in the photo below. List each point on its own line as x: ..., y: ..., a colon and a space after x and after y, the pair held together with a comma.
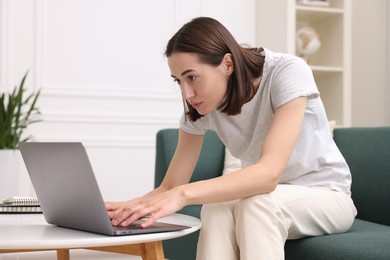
x: 256, y: 83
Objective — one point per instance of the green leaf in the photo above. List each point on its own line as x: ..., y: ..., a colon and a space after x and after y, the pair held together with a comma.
x: 17, y: 112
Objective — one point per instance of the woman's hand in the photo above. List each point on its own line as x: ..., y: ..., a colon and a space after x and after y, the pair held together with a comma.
x: 113, y: 206
x: 153, y: 207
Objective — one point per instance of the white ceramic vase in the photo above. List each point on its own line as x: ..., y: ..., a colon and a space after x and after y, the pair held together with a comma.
x: 14, y: 179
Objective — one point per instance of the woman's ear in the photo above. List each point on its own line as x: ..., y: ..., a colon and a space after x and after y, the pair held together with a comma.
x: 228, y: 64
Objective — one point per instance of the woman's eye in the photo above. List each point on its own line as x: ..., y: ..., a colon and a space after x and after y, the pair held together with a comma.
x: 192, y: 78
x: 176, y: 81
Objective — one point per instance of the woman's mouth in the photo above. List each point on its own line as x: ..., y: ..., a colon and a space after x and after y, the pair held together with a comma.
x: 196, y: 105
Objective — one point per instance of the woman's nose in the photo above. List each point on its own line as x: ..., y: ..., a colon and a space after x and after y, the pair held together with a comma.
x: 187, y: 91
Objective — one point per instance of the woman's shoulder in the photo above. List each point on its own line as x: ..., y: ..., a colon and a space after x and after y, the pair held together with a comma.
x: 271, y: 55
x: 278, y: 61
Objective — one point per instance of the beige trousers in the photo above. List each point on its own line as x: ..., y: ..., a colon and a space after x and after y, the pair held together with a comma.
x: 257, y: 227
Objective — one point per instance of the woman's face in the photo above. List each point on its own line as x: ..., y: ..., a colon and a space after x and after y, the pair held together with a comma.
x: 202, y: 85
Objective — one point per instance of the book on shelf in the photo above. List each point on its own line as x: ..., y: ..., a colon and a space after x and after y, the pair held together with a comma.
x: 20, y: 205
x: 320, y: 3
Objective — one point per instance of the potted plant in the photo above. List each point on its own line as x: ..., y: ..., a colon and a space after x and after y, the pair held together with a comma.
x: 17, y: 112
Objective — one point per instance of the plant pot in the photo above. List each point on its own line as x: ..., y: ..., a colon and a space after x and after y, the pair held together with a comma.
x: 14, y: 179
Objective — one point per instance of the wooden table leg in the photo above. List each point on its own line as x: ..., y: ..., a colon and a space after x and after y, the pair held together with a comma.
x: 153, y: 251
x: 148, y: 251
x: 63, y: 254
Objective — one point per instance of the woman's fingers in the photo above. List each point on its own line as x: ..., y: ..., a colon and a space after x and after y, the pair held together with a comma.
x: 126, y: 215
x: 112, y: 206
x: 153, y: 208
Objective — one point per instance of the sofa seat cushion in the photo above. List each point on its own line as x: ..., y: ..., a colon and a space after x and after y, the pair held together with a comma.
x: 364, y: 241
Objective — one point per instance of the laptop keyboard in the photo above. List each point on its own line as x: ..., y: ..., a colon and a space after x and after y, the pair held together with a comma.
x: 130, y: 227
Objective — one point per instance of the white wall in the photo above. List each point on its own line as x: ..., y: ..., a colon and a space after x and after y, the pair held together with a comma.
x: 104, y: 79
x: 370, y: 63
x: 387, y: 85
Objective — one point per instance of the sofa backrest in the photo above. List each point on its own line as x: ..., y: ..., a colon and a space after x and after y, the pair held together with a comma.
x: 367, y: 152
x: 211, y: 159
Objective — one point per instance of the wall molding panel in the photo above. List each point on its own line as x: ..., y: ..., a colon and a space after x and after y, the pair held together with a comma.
x: 109, y: 92
x: 102, y: 141
x: 4, y: 45
x: 107, y: 118
x: 38, y: 55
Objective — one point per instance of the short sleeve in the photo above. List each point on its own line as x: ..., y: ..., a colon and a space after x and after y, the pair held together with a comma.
x: 292, y: 79
x: 199, y: 127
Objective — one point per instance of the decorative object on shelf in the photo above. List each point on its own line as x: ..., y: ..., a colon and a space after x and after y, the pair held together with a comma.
x: 322, y: 3
x: 332, y: 63
x: 308, y: 42
x: 17, y: 112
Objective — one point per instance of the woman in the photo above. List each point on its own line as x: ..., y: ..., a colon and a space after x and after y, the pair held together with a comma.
x: 266, y: 109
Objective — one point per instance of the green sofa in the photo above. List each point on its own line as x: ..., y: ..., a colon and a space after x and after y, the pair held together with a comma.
x: 367, y: 151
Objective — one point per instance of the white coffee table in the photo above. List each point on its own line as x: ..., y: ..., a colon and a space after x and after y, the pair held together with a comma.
x: 30, y: 232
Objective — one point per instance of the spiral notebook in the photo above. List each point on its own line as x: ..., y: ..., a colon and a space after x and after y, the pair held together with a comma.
x: 20, y: 205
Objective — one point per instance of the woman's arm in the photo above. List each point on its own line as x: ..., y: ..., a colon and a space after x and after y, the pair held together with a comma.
x: 259, y: 178
x: 263, y: 176
x: 183, y: 161
x: 179, y: 172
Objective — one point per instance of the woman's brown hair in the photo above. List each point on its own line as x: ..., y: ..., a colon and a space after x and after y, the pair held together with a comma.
x: 210, y: 40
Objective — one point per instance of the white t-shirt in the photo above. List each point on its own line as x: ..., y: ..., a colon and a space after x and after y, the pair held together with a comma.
x: 315, y: 160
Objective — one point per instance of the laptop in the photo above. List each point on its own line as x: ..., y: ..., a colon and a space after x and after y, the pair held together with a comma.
x: 68, y: 192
